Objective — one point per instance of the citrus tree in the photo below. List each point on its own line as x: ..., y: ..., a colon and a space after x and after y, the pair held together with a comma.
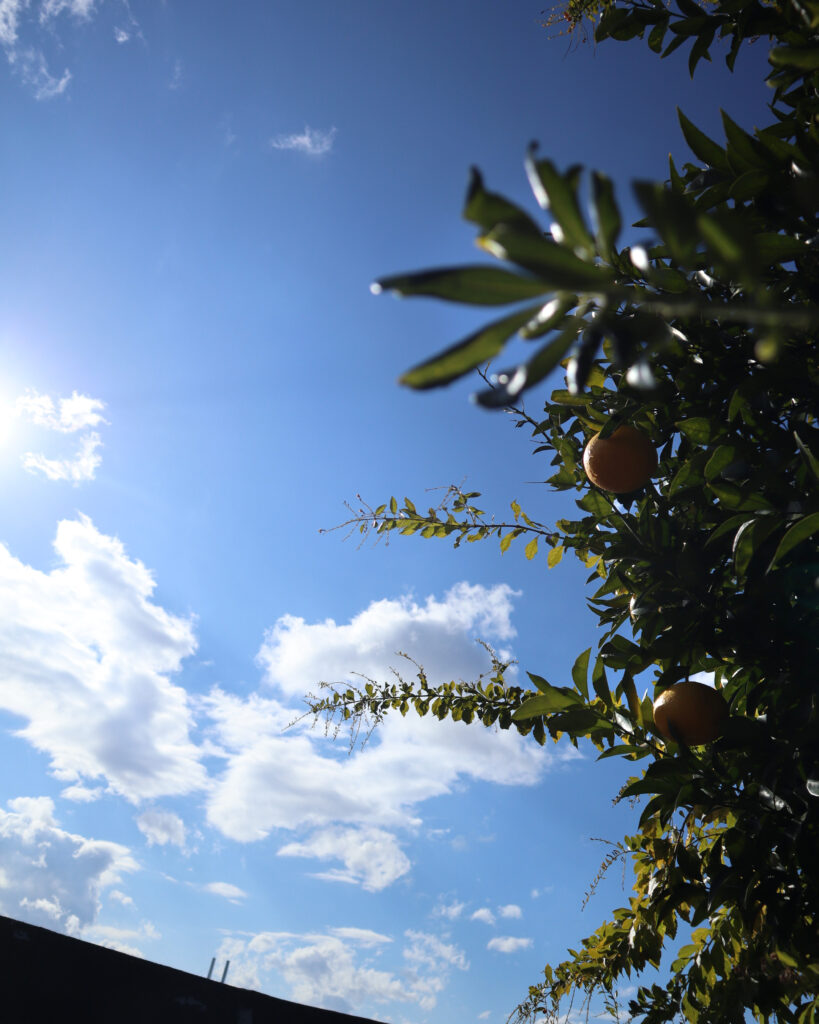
x: 684, y: 422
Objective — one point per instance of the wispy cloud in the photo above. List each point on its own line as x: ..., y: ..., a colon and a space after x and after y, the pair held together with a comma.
x: 311, y: 141
x: 483, y: 914
x: 177, y: 76
x: 66, y: 416
x: 19, y: 36
x: 451, y: 911
x: 82, y: 466
x: 508, y: 944
x: 227, y: 890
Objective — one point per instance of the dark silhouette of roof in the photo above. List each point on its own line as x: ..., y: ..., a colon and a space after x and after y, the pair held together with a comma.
x: 52, y: 978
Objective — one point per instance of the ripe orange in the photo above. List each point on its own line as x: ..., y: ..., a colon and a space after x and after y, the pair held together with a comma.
x: 620, y: 463
x: 690, y: 713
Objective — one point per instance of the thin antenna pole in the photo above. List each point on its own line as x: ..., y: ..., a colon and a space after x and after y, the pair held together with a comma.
x: 212, y: 965
x: 224, y: 972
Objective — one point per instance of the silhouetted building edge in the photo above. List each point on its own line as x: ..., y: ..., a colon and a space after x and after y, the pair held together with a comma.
x: 56, y: 979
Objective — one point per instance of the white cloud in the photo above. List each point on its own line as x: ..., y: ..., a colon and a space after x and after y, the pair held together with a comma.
x: 66, y: 416
x: 508, y: 944
x: 329, y: 969
x: 483, y: 914
x: 120, y: 897
x: 226, y: 889
x: 428, y: 950
x: 372, y: 857
x: 177, y: 76
x: 10, y: 11
x: 510, y: 910
x: 52, y: 877
x: 49, y: 9
x: 161, y: 827
x: 85, y: 660
x: 121, y: 939
x: 363, y: 936
x: 82, y: 794
x: 438, y: 633
x: 31, y: 66
x: 121, y: 35
x: 485, y: 1015
x: 83, y: 466
x: 450, y: 911
x: 311, y: 141
x: 298, y: 778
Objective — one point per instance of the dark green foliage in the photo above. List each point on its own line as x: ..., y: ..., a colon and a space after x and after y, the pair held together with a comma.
x: 706, y: 342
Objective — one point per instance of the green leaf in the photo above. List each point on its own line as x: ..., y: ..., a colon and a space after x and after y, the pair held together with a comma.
x: 720, y: 460
x: 531, y: 548
x: 810, y: 458
x: 799, y: 532
x: 657, y: 34
x: 472, y: 351
x: 747, y: 540
x: 606, y: 213
x: 580, y: 671
x: 600, y: 683
x: 735, y: 497
x: 802, y: 57
x: 487, y: 209
x: 595, y: 503
x: 512, y: 383
x: 701, y: 146
x: 743, y: 151
x: 557, y: 193
x: 550, y: 700
x: 475, y: 285
x: 696, y: 429
x: 558, y: 268
x: 549, y: 316
x: 773, y: 248
x: 554, y: 556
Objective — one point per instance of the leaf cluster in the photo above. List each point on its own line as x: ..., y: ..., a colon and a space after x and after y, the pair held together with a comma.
x: 704, y: 339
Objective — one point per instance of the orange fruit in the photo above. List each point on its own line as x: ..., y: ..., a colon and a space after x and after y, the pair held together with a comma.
x: 620, y: 463
x: 690, y: 713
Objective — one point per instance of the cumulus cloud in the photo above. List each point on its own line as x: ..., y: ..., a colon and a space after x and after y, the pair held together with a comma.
x: 508, y: 944
x: 311, y: 141
x: 85, y: 660
x: 51, y: 877
x: 340, y: 969
x: 510, y: 910
x: 372, y: 857
x: 297, y: 779
x: 483, y: 914
x: 227, y: 890
x: 161, y: 827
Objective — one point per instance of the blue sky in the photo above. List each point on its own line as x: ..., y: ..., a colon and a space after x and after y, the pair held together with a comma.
x: 195, y: 377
